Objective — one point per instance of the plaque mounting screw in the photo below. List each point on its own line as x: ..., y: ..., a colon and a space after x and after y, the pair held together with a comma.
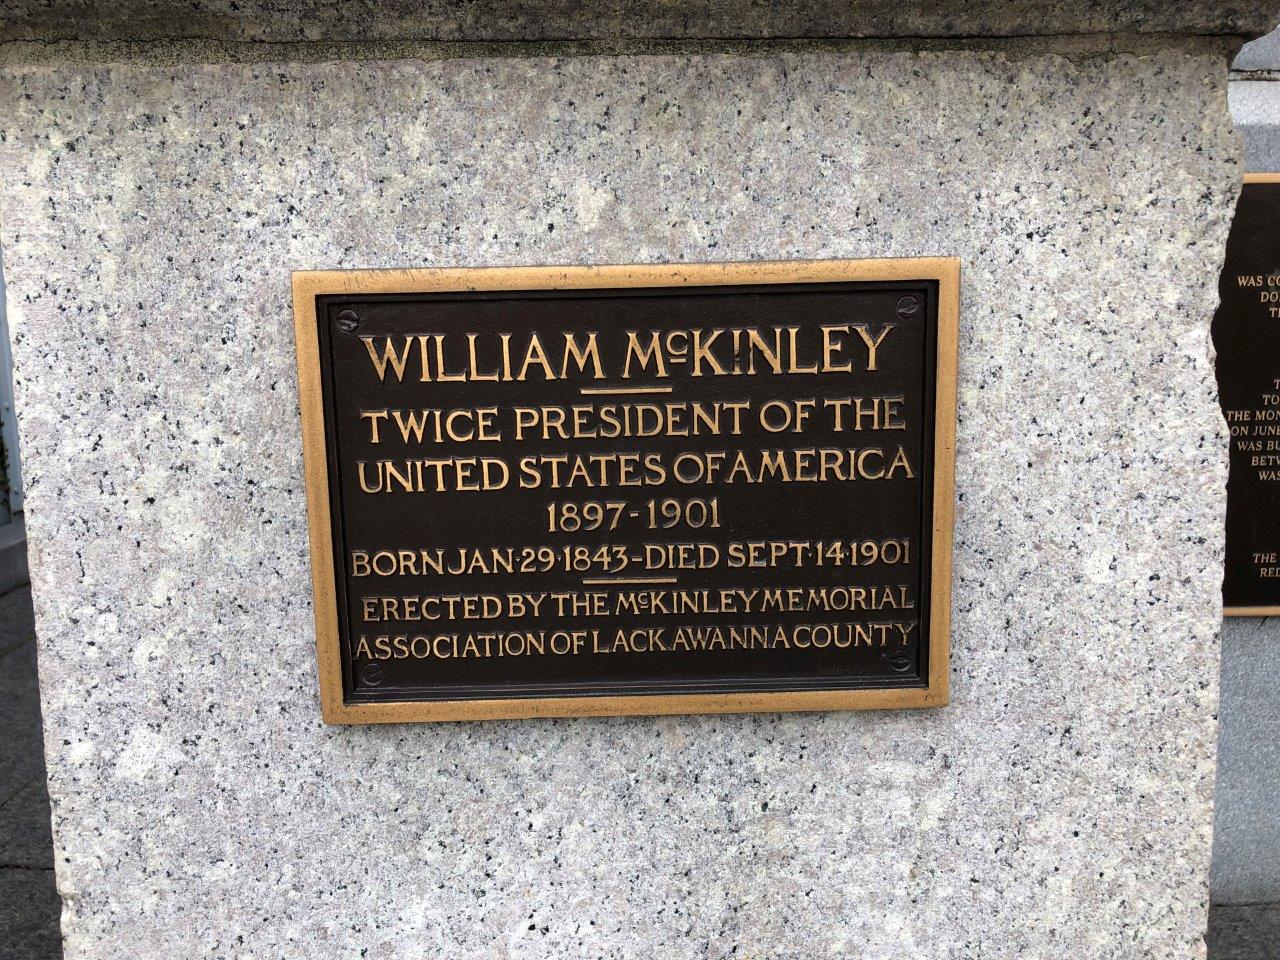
x: 371, y: 675
x: 908, y: 307
x: 348, y: 320
x: 900, y: 660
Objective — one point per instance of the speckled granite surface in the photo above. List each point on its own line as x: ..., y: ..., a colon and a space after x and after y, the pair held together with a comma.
x: 1059, y: 808
x: 290, y: 20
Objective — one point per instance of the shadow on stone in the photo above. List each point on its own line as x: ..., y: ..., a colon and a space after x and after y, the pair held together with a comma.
x: 29, y: 904
x: 1249, y: 932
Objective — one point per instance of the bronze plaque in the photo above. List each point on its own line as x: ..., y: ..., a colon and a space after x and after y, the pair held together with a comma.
x: 629, y: 490
x: 1246, y: 336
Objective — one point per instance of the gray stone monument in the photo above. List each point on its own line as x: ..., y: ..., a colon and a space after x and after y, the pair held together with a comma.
x: 164, y: 171
x: 1245, y: 880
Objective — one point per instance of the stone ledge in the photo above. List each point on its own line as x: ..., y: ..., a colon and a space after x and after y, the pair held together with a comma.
x: 505, y: 20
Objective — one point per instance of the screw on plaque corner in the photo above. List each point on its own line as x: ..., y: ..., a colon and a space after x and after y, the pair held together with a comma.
x: 900, y: 660
x: 371, y: 675
x: 908, y: 307
x: 348, y: 321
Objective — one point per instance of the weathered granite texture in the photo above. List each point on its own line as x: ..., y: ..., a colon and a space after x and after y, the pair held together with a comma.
x: 287, y: 20
x: 1059, y: 808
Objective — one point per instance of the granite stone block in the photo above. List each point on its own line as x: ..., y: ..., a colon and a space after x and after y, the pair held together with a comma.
x: 1060, y: 807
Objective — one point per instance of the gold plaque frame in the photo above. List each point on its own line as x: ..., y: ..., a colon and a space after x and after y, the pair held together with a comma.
x: 307, y: 285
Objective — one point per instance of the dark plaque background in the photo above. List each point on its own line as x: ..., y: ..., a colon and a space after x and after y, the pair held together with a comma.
x: 849, y: 511
x: 1246, y: 335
